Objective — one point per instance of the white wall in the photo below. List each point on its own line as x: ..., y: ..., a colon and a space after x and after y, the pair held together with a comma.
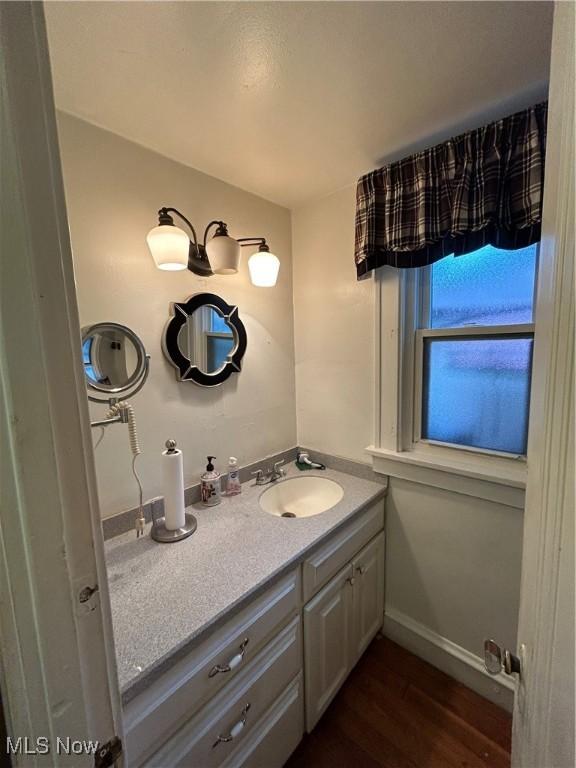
x: 334, y: 330
x: 114, y: 189
x: 453, y: 561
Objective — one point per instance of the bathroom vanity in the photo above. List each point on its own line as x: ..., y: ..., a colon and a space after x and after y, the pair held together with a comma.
x: 234, y: 641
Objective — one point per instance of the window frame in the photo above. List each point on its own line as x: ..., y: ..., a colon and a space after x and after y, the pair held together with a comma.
x: 519, y: 331
x: 415, y: 299
x: 401, y: 301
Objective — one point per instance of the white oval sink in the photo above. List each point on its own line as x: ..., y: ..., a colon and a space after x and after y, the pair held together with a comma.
x: 301, y: 497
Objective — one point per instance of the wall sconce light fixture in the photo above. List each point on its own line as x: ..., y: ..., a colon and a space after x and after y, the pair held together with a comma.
x: 172, y: 249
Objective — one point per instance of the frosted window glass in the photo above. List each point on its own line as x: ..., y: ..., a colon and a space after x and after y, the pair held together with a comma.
x: 477, y: 392
x: 486, y: 287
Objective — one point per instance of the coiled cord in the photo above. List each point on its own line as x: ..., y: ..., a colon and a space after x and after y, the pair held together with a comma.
x: 119, y: 409
x: 132, y: 434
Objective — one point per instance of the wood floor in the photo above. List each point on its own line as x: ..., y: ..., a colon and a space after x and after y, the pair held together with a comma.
x: 397, y: 711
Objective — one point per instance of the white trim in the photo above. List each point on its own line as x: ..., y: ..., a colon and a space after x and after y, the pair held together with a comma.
x: 489, y: 480
x: 485, y: 331
x: 453, y: 659
x: 543, y: 732
x: 388, y: 386
x: 376, y: 396
x: 411, y: 297
x: 59, y: 672
x: 471, y: 449
x: 515, y: 478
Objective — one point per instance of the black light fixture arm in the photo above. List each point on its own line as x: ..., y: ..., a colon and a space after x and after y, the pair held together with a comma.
x: 165, y: 218
x: 197, y: 259
x: 259, y: 241
x: 221, y: 229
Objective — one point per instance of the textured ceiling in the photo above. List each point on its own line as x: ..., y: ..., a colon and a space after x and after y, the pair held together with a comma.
x: 294, y: 100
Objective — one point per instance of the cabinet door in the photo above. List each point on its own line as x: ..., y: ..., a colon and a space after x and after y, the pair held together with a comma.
x: 368, y: 593
x: 327, y: 643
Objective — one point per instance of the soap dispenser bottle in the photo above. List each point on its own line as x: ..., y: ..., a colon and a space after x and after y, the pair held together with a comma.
x: 210, y: 488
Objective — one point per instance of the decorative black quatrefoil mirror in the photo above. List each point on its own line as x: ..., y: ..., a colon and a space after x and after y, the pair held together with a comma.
x: 205, y: 340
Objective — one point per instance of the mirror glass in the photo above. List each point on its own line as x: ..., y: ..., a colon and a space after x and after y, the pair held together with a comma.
x: 113, y: 356
x: 207, y: 340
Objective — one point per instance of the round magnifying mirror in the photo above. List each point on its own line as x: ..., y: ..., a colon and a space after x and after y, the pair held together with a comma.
x: 114, y: 358
x: 207, y: 340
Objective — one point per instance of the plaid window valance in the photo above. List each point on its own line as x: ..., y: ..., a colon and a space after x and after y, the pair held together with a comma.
x: 482, y: 187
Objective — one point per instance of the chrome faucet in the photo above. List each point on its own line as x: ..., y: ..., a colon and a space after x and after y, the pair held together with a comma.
x: 271, y: 475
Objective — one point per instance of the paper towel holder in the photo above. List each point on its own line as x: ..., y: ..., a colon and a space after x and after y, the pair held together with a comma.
x: 160, y: 533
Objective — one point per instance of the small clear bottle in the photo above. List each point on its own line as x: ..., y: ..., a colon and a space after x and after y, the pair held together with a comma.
x: 233, y: 486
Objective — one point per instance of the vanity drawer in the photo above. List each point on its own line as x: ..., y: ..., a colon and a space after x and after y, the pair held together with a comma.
x: 276, y: 735
x: 319, y: 568
x: 157, y: 712
x: 215, y: 733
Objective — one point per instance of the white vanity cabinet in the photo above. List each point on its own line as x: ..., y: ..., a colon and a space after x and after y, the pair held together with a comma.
x: 328, y: 626
x: 195, y: 698
x: 368, y: 595
x: 339, y: 623
x: 340, y: 548
x: 241, y: 698
x: 224, y: 725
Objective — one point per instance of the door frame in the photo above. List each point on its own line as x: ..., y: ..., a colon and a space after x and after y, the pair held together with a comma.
x: 58, y: 671
x: 543, y: 729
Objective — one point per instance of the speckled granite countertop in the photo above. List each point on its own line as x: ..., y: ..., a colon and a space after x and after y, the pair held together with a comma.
x: 166, y: 596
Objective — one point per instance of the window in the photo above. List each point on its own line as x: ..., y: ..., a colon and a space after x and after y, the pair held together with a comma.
x: 473, y: 351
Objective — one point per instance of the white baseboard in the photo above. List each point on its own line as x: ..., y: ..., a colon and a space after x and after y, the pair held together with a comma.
x: 452, y: 659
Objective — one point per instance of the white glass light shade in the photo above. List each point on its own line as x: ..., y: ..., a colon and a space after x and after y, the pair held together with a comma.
x: 263, y: 267
x: 169, y: 247
x: 223, y: 254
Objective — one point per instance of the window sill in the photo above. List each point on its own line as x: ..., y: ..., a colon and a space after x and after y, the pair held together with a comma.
x: 503, y: 484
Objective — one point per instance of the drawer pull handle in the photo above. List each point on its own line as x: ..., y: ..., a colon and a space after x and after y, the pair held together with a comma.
x: 235, y: 730
x: 234, y: 661
x: 361, y: 569
x: 351, y: 581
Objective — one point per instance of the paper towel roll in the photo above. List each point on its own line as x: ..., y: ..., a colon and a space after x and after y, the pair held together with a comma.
x: 173, y: 471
